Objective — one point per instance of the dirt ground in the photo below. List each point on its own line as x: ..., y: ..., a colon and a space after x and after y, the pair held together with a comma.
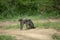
x: 32, y: 34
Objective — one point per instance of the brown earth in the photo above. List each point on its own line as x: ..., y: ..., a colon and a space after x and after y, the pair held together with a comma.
x: 33, y: 34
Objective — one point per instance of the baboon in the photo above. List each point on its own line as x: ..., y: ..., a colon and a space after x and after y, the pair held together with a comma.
x: 28, y: 22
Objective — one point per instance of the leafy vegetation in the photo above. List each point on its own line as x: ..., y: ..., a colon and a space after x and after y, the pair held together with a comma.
x: 16, y: 8
x: 6, y: 37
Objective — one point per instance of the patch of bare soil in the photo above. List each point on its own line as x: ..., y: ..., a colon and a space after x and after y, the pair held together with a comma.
x: 33, y: 34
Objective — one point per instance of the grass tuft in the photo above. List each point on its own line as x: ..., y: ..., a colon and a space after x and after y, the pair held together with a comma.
x: 56, y: 37
x: 7, y: 37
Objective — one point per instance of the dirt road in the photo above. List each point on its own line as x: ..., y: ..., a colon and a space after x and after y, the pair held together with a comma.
x: 33, y: 34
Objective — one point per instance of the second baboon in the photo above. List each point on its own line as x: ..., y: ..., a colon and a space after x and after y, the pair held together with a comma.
x: 29, y: 24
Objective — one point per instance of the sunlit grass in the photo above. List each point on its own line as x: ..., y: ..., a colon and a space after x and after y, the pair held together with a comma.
x: 7, y: 37
x: 54, y: 25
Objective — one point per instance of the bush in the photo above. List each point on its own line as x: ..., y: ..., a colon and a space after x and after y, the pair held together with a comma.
x: 15, y: 8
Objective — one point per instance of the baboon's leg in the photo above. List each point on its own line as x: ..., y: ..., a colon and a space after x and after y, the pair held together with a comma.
x: 21, y: 25
x: 27, y: 26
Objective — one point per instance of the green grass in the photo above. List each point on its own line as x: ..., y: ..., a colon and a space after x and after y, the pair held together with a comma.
x: 33, y: 17
x: 56, y: 37
x: 54, y: 25
x: 7, y: 37
x: 10, y: 27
